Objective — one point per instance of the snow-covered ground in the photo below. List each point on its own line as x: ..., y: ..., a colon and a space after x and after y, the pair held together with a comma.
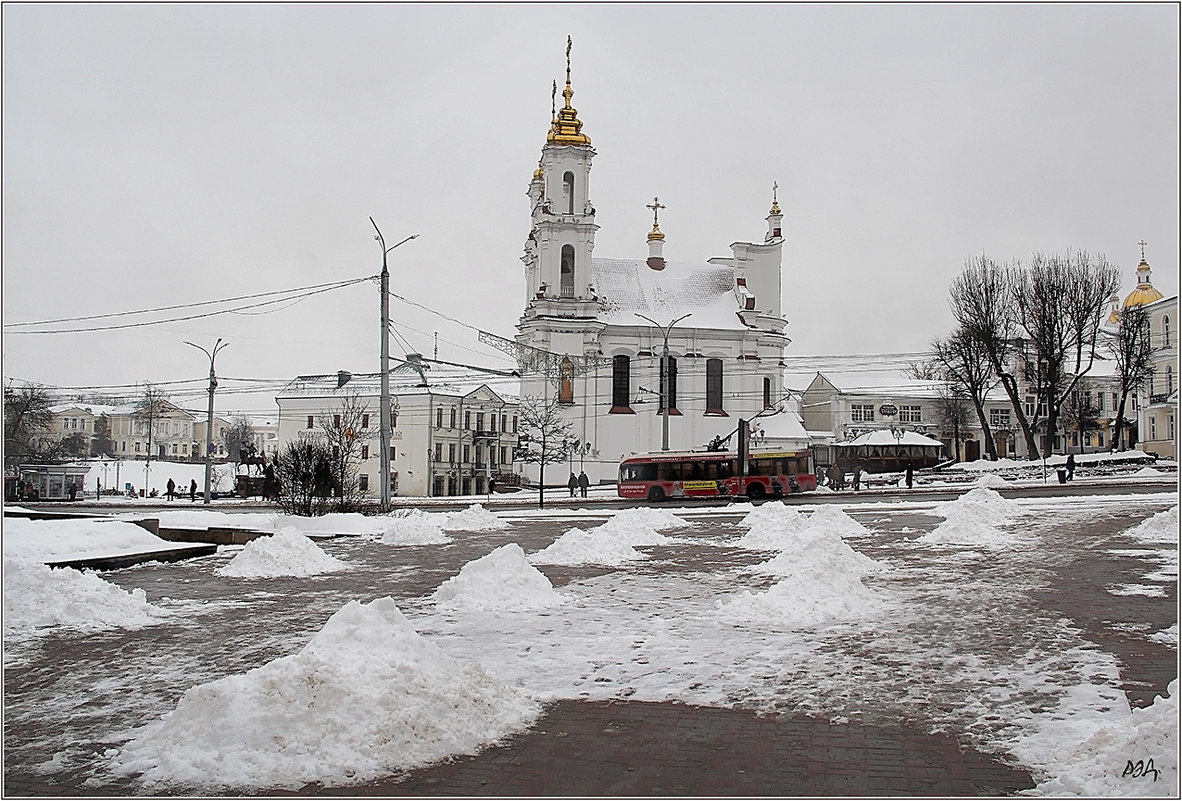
x: 430, y: 634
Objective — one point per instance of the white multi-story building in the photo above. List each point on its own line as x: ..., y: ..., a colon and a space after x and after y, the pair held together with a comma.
x: 177, y: 434
x: 453, y: 427
x: 594, y: 329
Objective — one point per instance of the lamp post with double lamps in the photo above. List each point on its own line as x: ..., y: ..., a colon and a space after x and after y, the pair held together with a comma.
x: 213, y: 384
x: 664, y: 374
x: 385, y: 390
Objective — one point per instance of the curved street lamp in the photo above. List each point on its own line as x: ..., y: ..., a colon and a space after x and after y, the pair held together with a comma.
x: 213, y: 384
x: 664, y: 374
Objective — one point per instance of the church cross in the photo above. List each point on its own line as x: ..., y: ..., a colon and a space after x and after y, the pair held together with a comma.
x: 1142, y: 243
x: 775, y: 186
x: 655, y: 205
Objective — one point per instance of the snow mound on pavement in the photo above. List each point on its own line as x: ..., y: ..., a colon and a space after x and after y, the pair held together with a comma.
x: 831, y: 518
x: 37, y: 597
x: 500, y: 581
x: 1147, y: 472
x: 415, y: 527
x: 991, y: 480
x: 1161, y: 527
x: 829, y: 551
x: 366, y: 697
x: 474, y: 518
x: 645, y: 517
x: 1105, y: 764
x: 770, y: 512
x: 973, y: 519
x: 287, y: 552
x: 592, y: 547
x: 783, y: 527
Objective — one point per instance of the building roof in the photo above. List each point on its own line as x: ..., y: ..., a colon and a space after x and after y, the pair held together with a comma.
x: 406, y: 378
x: 627, y: 287
x: 886, y: 437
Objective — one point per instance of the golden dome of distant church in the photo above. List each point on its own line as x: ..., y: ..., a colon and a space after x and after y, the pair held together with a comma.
x: 1144, y: 292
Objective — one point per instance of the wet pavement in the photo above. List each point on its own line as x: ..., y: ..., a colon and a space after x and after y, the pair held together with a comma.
x: 69, y: 697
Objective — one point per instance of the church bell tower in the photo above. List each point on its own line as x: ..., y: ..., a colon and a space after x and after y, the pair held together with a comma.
x: 558, y: 250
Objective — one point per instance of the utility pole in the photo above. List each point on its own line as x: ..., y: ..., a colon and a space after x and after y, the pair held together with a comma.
x: 664, y: 376
x: 213, y: 384
x: 384, y: 479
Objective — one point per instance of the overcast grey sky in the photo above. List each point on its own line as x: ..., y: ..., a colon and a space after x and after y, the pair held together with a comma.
x: 165, y: 154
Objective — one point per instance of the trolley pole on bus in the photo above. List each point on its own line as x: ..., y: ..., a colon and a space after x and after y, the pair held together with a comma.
x: 665, y: 394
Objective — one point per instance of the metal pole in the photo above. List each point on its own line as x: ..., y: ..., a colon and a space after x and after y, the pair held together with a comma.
x: 213, y: 384
x: 664, y: 375
x: 384, y: 403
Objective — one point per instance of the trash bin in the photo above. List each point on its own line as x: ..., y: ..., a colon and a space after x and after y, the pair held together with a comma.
x: 1062, y: 475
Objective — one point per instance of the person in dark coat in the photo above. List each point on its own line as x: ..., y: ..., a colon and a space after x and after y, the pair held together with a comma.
x: 171, y: 493
x: 193, y: 489
x: 572, y: 484
x: 73, y: 490
x: 909, y: 475
x: 584, y: 482
x: 1070, y: 465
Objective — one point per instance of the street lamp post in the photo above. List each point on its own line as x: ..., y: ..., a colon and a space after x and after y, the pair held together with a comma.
x: 213, y: 384
x: 664, y: 375
x: 385, y: 396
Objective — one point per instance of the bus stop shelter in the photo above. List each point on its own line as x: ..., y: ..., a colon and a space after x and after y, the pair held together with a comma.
x: 887, y: 451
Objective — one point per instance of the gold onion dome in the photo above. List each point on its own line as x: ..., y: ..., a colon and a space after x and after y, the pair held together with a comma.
x: 566, y: 127
x: 655, y: 233
x: 1144, y: 293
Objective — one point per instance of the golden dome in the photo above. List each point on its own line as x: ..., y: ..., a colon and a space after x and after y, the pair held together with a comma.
x: 566, y: 128
x: 1144, y: 293
x: 655, y: 233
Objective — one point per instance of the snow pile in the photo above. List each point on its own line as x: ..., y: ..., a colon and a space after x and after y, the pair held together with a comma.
x: 368, y: 696
x: 1167, y: 636
x: 782, y: 527
x: 37, y: 597
x: 646, y: 517
x: 770, y: 512
x: 822, y: 581
x: 334, y: 523
x: 991, y: 480
x: 415, y: 527
x: 66, y: 540
x: 1115, y: 761
x: 592, y: 547
x: 474, y: 518
x: 973, y: 519
x: 501, y: 581
x: 1161, y: 527
x: 1147, y: 472
x: 285, y: 553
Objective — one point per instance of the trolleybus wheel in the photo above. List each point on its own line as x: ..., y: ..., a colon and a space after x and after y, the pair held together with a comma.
x: 755, y: 491
x: 656, y: 494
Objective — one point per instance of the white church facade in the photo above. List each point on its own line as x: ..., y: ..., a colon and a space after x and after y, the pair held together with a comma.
x: 598, y: 325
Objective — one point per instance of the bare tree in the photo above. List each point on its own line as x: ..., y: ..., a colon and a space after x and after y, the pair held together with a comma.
x: 543, y: 424
x: 304, y: 473
x: 1060, y: 303
x: 101, y: 443
x: 28, y: 415
x: 150, y: 406
x: 346, y: 431
x: 952, y: 411
x: 965, y: 366
x: 1132, y: 350
x: 981, y: 299
x: 1080, y: 412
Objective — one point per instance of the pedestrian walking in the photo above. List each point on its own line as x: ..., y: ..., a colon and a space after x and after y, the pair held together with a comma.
x: 857, y: 477
x: 192, y: 489
x: 73, y: 490
x: 1070, y: 465
x: 584, y: 482
x: 171, y: 493
x: 572, y: 484
x: 909, y: 475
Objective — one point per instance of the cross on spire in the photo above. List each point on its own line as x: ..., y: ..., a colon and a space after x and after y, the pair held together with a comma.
x: 568, y: 44
x: 655, y: 206
x: 1142, y: 243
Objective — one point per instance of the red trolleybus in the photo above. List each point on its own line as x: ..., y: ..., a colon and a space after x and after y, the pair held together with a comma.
x: 709, y: 474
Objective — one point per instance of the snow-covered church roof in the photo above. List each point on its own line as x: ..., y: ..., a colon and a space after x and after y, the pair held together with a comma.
x: 627, y: 287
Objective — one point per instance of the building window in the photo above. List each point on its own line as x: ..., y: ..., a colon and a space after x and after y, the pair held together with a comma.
x: 364, y: 451
x: 862, y: 412
x: 714, y: 386
x: 311, y: 421
x: 1170, y: 424
x: 1152, y: 427
x: 137, y: 447
x: 451, y: 420
x: 451, y: 452
x: 1115, y: 401
x: 467, y: 421
x: 767, y: 392
x: 480, y: 421
x: 514, y: 424
x: 363, y: 483
x: 504, y: 420
x: 336, y: 421
x: 1028, y: 406
x: 566, y: 280
x: 671, y: 368
x: 439, y: 451
x: 504, y: 454
x: 910, y: 414
x: 492, y: 423
x: 1165, y: 330
x: 439, y: 417
x: 999, y: 418
x: 392, y: 452
x: 365, y: 421
x: 566, y: 381
x: 393, y: 418
x: 1100, y: 401
x: 621, y: 385
x: 467, y: 453
x: 568, y: 192
x: 1100, y: 439
x: 174, y: 449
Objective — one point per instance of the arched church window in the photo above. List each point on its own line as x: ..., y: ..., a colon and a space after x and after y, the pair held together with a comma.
x: 566, y: 381
x: 566, y: 285
x: 714, y: 386
x: 767, y: 392
x: 1165, y: 330
x: 671, y: 369
x: 621, y: 385
x: 568, y: 192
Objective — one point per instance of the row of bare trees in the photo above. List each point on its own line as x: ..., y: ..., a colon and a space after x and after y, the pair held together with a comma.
x: 1036, y: 327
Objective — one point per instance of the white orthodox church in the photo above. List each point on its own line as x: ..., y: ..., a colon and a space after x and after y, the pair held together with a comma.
x: 597, y: 326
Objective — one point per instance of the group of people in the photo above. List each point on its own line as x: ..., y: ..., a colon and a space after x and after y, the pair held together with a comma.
x: 837, y: 476
x: 172, y: 493
x: 579, y: 482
